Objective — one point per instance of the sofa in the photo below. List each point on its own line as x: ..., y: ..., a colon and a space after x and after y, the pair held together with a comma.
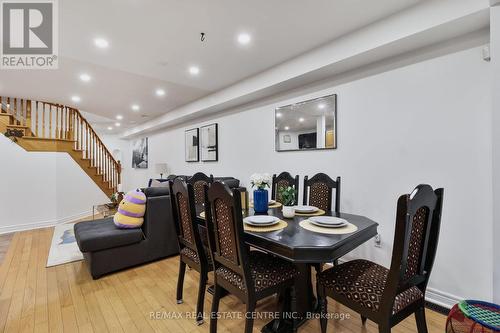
x: 231, y: 182
x: 107, y: 249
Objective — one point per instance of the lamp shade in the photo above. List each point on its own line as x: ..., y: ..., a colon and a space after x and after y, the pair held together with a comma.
x: 161, y: 168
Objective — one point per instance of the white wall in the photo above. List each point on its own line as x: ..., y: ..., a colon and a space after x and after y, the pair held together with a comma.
x: 40, y: 189
x: 424, y: 123
x: 495, y: 59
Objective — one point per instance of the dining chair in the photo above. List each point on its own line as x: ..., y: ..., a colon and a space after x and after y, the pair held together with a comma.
x: 192, y: 251
x: 249, y: 275
x: 198, y: 180
x: 387, y: 296
x: 318, y: 192
x: 283, y: 180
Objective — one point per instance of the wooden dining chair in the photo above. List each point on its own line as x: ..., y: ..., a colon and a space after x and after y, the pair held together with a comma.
x: 318, y: 192
x: 283, y: 180
x: 199, y: 180
x: 387, y: 296
x: 192, y: 251
x: 249, y: 275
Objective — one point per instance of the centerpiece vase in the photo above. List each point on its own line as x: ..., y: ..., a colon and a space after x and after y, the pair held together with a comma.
x: 260, y: 201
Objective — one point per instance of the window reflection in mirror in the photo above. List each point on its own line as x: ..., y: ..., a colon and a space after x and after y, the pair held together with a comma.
x: 307, y: 125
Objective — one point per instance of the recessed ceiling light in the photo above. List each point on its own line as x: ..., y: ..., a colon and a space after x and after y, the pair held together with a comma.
x: 110, y: 128
x: 287, y: 128
x: 85, y: 77
x: 194, y: 70
x: 117, y: 124
x: 136, y: 107
x: 301, y: 119
x: 119, y: 117
x: 160, y: 92
x: 278, y: 115
x: 321, y: 106
x: 244, y: 38
x: 75, y: 99
x: 101, y: 43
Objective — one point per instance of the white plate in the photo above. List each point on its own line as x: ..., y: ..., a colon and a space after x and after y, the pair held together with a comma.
x: 271, y: 201
x: 306, y: 209
x: 261, y: 220
x: 328, y: 220
x: 328, y: 225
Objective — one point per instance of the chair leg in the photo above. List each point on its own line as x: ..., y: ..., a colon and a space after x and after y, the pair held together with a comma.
x: 215, y: 308
x: 384, y: 328
x: 421, y: 322
x: 249, y: 317
x: 323, y: 308
x: 180, y: 281
x: 201, y: 298
x: 363, y: 320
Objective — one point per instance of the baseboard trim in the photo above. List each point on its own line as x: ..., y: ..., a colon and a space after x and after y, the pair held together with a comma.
x: 43, y: 224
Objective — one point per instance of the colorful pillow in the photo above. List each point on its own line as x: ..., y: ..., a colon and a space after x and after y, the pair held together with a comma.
x: 131, y: 210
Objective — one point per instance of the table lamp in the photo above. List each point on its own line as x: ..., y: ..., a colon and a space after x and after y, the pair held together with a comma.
x: 161, y: 168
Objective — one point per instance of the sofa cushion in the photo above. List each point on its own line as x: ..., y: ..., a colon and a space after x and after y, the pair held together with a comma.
x: 102, y: 234
x: 156, y: 191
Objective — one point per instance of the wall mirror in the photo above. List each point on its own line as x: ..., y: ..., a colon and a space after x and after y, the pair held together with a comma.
x: 307, y: 125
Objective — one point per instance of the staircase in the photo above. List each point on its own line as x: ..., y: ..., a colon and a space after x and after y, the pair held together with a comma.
x: 42, y: 126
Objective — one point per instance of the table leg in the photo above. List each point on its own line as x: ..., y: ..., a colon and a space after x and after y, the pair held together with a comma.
x: 302, y: 303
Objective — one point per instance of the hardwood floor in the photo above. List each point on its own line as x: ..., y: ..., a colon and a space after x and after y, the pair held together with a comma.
x: 4, y: 245
x: 65, y: 298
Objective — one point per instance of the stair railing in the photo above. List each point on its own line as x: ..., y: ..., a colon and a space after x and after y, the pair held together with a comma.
x: 56, y: 121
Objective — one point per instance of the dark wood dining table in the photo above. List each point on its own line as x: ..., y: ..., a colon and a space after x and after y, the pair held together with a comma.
x: 305, y: 248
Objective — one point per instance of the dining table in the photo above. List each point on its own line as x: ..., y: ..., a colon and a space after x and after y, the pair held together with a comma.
x: 305, y: 249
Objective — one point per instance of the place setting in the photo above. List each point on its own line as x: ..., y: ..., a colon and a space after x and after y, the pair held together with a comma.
x: 328, y: 225
x: 263, y: 223
x: 271, y: 204
x: 304, y: 210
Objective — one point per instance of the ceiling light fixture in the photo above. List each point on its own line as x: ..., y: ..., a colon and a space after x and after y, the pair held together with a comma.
x: 85, y: 77
x: 301, y: 120
x: 136, y: 107
x: 278, y: 115
x: 194, y: 70
x: 287, y: 128
x: 119, y: 117
x: 76, y: 99
x: 110, y: 128
x: 160, y: 92
x: 117, y: 124
x: 244, y: 38
x: 321, y: 106
x: 101, y: 43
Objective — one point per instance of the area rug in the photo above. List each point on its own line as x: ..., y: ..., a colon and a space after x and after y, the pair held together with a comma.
x: 63, y: 248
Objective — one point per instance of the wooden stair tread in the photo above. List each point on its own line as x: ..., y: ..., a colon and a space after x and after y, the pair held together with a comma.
x: 47, y: 139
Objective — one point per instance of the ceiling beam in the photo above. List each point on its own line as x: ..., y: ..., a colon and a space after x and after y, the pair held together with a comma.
x: 425, y: 24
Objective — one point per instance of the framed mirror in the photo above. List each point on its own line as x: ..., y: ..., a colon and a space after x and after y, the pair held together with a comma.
x: 307, y: 125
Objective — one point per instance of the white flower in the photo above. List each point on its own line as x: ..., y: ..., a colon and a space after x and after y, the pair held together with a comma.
x: 260, y: 180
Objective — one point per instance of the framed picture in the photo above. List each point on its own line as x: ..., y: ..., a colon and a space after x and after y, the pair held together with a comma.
x: 209, y: 143
x: 192, y: 146
x: 140, y: 154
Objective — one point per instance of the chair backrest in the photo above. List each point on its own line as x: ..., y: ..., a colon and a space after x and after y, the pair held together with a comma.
x: 199, y: 180
x: 320, y: 188
x: 224, y: 222
x: 184, y: 214
x: 418, y: 221
x: 285, y: 180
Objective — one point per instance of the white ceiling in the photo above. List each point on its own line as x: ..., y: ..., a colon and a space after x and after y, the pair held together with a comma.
x: 153, y: 42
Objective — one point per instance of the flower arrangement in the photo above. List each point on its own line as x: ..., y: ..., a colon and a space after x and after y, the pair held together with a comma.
x: 260, y: 181
x: 287, y: 195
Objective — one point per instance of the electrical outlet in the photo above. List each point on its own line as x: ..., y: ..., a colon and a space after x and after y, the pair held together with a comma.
x: 378, y: 241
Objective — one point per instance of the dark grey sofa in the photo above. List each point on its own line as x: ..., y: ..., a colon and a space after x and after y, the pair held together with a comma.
x: 107, y: 249
x: 229, y: 181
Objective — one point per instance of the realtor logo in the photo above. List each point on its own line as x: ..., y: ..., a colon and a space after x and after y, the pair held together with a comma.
x: 29, y: 33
